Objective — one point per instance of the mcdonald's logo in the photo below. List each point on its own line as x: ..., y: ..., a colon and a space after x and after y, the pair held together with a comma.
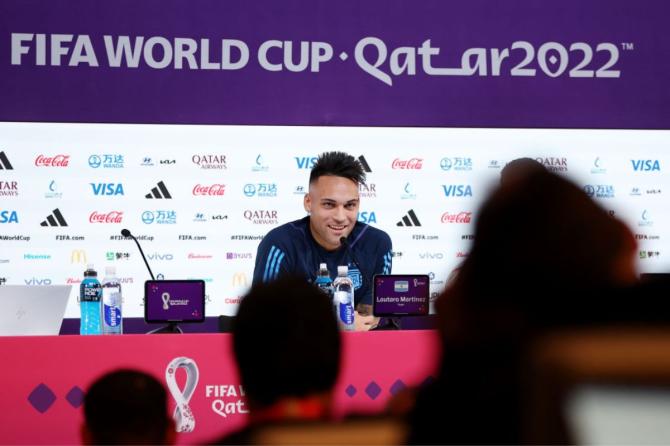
x: 78, y: 256
x: 240, y: 280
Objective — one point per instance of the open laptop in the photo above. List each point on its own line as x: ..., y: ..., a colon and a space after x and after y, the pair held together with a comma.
x: 32, y: 310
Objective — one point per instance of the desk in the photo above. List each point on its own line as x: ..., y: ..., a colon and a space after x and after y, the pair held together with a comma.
x: 44, y: 377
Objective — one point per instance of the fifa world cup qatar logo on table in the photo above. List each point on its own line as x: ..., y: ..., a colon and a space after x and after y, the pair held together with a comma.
x: 183, y: 416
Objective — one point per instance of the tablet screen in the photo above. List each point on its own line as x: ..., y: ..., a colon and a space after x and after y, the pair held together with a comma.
x: 401, y: 295
x: 174, y: 301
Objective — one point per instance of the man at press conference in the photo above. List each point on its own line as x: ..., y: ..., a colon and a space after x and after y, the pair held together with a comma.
x: 331, y: 234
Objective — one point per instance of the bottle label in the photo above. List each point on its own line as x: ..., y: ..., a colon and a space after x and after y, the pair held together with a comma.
x: 112, y: 315
x: 90, y: 294
x: 346, y: 314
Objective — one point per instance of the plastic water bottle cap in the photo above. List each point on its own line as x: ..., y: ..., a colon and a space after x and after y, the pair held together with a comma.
x: 110, y: 270
x: 342, y: 270
x: 90, y: 266
x: 323, y: 266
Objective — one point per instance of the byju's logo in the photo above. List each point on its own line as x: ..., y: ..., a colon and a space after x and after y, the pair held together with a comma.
x: 456, y: 163
x: 160, y: 191
x: 53, y: 191
x: 210, y: 161
x: 367, y: 217
x: 457, y: 190
x: 599, y: 190
x: 54, y: 161
x: 4, y: 162
x: 55, y: 219
x: 364, y: 164
x: 259, y: 165
x: 260, y: 190
x: 107, y: 188
x: 409, y: 220
x: 163, y: 217
x: 461, y: 217
x: 109, y: 217
x: 106, y: 161
x: 9, y: 217
x: 216, y: 190
x: 554, y: 164
x: 305, y: 162
x: 410, y: 164
x: 646, y: 165
x: 9, y: 188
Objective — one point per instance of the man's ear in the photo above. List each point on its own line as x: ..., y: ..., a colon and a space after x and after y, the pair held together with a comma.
x: 307, y: 203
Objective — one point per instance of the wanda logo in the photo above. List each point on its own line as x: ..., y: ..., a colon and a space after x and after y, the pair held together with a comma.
x: 461, y: 217
x: 110, y: 217
x: 56, y: 161
x: 412, y: 163
x: 213, y: 190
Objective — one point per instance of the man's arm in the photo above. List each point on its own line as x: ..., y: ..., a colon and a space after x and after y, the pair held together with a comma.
x: 271, y: 260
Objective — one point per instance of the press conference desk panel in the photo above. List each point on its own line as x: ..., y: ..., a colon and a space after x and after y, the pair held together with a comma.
x: 44, y: 377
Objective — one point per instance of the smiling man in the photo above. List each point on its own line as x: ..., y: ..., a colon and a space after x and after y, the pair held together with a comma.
x: 332, y: 205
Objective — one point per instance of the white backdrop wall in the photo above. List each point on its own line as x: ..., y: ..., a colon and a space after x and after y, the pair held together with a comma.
x: 229, y: 185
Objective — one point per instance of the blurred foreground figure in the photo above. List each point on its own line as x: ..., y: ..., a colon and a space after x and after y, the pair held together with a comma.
x: 287, y: 347
x: 545, y: 258
x: 127, y: 407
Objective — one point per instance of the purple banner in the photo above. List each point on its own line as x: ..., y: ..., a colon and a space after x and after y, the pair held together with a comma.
x: 525, y: 63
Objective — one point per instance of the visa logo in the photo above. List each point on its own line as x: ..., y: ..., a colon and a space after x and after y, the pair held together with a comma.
x: 107, y: 189
x: 36, y: 281
x: 646, y: 165
x: 367, y: 217
x: 457, y: 190
x: 9, y: 217
x: 305, y: 162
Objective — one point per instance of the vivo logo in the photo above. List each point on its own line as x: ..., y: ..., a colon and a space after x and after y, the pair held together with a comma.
x: 157, y: 256
x: 107, y: 188
x: 646, y: 165
x: 36, y: 281
x: 431, y: 255
x: 305, y: 162
x: 457, y: 190
x: 367, y: 217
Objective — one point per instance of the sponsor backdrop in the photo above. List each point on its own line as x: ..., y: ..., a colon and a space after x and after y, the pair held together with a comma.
x: 419, y: 91
x: 200, y: 198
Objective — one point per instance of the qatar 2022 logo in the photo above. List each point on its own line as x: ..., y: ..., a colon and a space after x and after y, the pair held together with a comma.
x: 183, y: 415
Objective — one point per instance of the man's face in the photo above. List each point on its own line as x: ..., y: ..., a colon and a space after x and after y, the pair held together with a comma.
x: 333, y: 206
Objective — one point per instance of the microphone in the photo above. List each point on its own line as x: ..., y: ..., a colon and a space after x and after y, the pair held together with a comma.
x: 126, y: 233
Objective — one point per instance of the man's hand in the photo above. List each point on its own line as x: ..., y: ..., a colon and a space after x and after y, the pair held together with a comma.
x: 363, y: 318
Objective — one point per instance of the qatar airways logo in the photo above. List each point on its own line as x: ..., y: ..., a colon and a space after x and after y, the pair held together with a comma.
x: 216, y: 190
x: 554, y: 164
x: 461, y: 217
x: 55, y: 161
x: 210, y: 161
x: 410, y: 164
x: 110, y: 217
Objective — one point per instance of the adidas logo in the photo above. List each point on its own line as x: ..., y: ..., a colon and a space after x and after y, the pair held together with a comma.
x: 364, y: 163
x: 160, y: 191
x: 409, y: 220
x: 4, y: 162
x: 55, y: 219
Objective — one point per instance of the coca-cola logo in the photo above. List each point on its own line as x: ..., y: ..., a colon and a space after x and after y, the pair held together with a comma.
x: 110, y: 217
x: 55, y: 161
x: 412, y: 163
x: 213, y: 190
x: 461, y: 217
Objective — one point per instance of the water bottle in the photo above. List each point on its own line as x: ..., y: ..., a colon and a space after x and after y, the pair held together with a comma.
x: 112, y: 321
x: 344, y: 298
x: 323, y: 280
x: 90, y: 294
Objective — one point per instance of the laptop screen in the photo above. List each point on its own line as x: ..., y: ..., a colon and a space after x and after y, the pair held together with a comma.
x: 32, y: 310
